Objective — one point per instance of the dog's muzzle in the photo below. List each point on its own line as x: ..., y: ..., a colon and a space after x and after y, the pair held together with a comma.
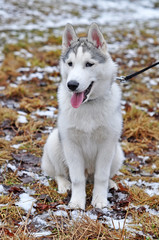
x: 78, y: 97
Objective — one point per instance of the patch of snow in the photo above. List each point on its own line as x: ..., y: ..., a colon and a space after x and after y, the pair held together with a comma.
x: 22, y: 119
x: 91, y: 215
x: 151, y: 113
x: 60, y: 213
x: 151, y: 188
x: 130, y: 63
x: 144, y: 158
x: 22, y: 78
x: 42, y: 178
x: 30, y: 77
x: 13, y: 85
x: 63, y: 206
x: 28, y: 190
x: 77, y: 214
x: 153, y: 166
x: 3, y: 205
x: 23, y: 69
x: 21, y: 113
x: 40, y: 72
x: 2, y: 88
x: 36, y: 94
x: 10, y: 104
x: 42, y: 234
x: 54, y: 79
x: 117, y: 224
x: 47, y: 113
x: 154, y: 188
x: 23, y: 53
x: 49, y: 48
x: 39, y: 221
x: 36, y: 75
x: 153, y: 82
x: 2, y: 189
x: 7, y: 138
x: 47, y: 130
x: 147, y: 102
x: 151, y: 211
x: 16, y: 146
x: 147, y: 207
x: 3, y: 168
x: 12, y: 167
x: 26, y: 202
x: 48, y: 69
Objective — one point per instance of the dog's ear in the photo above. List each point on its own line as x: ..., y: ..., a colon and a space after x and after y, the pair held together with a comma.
x: 96, y: 37
x: 69, y: 35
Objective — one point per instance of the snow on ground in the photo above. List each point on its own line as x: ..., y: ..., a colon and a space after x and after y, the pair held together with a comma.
x: 48, y: 113
x: 1, y: 189
x: 26, y: 202
x: 55, y: 14
x: 42, y: 233
x: 151, y: 188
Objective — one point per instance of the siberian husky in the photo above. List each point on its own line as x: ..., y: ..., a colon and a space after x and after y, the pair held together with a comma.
x: 86, y: 141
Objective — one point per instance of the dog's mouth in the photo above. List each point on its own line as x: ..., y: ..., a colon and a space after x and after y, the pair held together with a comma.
x: 79, y: 97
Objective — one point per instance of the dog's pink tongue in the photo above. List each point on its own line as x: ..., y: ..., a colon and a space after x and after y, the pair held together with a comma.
x: 77, y: 99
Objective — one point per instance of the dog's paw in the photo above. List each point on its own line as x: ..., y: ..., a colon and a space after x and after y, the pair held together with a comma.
x: 77, y: 204
x: 112, y: 184
x: 64, y: 188
x: 63, y: 185
x: 99, y: 202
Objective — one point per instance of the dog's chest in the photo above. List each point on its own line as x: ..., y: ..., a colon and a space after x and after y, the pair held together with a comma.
x: 88, y: 145
x: 88, y: 120
x: 87, y: 138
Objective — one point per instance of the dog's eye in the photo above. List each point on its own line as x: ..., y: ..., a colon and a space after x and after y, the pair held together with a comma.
x: 70, y: 64
x: 88, y: 64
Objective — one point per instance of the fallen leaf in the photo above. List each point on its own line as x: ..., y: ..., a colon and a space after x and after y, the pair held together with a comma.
x: 15, y: 189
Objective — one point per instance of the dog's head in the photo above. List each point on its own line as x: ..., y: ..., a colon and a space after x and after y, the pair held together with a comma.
x: 86, y: 66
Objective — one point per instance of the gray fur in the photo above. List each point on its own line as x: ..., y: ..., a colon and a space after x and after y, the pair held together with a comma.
x: 87, y: 46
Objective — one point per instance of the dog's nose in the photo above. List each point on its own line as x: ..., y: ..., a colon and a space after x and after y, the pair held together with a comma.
x: 72, y: 85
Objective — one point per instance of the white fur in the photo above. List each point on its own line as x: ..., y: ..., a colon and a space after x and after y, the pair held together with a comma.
x: 89, y: 134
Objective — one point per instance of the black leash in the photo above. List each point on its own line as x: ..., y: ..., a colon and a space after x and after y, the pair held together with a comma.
x: 128, y: 77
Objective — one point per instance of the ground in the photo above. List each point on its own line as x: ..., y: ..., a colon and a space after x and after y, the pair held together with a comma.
x: 30, y: 207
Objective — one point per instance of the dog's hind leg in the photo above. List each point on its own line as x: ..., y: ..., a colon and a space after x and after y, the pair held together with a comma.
x: 53, y: 162
x: 116, y: 164
x: 117, y: 160
x: 63, y: 184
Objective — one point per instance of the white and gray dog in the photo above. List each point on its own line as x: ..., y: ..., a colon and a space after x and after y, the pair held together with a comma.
x: 86, y: 141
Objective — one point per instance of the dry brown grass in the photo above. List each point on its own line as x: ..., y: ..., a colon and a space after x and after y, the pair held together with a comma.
x: 140, y: 127
x: 85, y: 228
x: 7, y: 114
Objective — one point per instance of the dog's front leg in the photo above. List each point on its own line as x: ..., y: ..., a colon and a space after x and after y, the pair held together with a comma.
x: 76, y: 170
x: 102, y: 173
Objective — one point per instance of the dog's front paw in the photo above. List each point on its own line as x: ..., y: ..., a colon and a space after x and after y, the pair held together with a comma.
x: 99, y: 202
x: 77, y: 204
